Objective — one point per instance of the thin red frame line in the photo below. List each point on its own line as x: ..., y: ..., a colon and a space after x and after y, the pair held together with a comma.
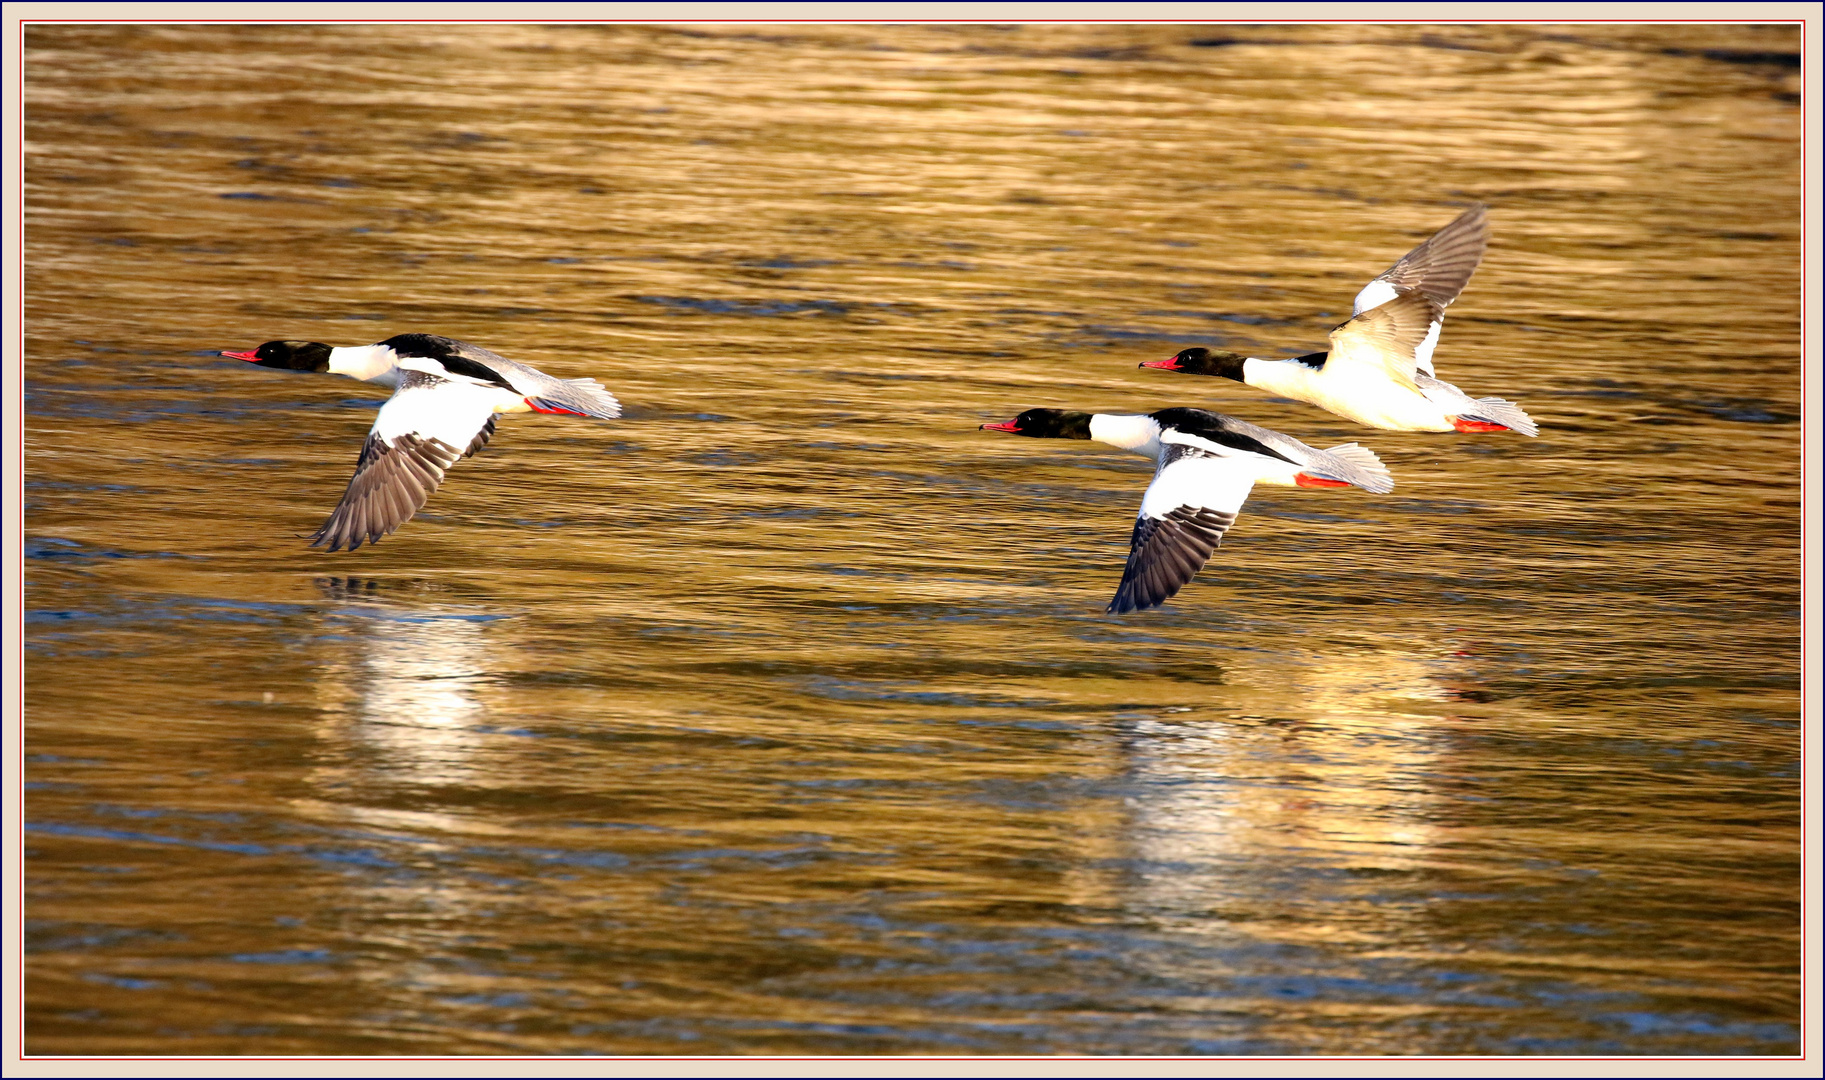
x: 1805, y: 506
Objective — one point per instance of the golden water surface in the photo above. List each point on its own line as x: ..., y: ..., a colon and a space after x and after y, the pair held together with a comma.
x: 781, y: 716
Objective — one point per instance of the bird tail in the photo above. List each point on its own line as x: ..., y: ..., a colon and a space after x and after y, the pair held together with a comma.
x: 1493, y: 410
x: 586, y: 397
x: 1352, y: 464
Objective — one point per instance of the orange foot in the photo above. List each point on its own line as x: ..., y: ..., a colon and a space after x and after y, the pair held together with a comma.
x: 1462, y: 424
x: 1308, y: 480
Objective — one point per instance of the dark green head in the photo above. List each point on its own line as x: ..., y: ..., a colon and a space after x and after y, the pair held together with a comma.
x: 289, y: 355
x: 1046, y: 424
x: 1201, y: 361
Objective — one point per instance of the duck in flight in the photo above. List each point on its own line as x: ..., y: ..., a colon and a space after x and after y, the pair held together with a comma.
x: 446, y: 395
x: 1206, y: 465
x: 1374, y: 379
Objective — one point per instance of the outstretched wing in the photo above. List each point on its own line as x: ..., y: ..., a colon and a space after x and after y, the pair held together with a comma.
x: 1192, y: 502
x: 1384, y: 340
x: 1437, y: 269
x: 421, y: 431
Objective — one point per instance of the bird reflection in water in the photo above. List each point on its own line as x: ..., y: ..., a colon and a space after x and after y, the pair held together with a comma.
x: 408, y: 681
x: 1235, y: 814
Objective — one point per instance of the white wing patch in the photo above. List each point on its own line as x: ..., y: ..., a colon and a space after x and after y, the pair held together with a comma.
x: 1191, y: 503
x: 1422, y: 355
x: 433, y: 404
x: 1373, y: 295
x: 1193, y: 479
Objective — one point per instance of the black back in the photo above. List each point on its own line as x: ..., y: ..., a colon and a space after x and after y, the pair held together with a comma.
x: 448, y: 352
x: 429, y: 346
x: 1216, y: 428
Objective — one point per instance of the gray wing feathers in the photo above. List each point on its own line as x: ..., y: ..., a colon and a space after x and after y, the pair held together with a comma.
x: 1292, y: 448
x: 1396, y: 327
x: 585, y: 396
x: 1167, y: 552
x: 391, y: 483
x: 1441, y: 267
x: 1387, y: 337
x: 1350, y: 462
x: 485, y: 356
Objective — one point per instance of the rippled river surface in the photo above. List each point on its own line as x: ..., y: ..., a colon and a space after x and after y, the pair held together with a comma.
x: 782, y: 716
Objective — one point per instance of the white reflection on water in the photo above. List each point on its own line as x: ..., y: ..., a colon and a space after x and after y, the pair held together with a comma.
x: 1221, y: 812
x: 407, y: 685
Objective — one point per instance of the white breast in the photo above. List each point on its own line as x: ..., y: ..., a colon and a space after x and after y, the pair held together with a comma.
x: 1365, y: 395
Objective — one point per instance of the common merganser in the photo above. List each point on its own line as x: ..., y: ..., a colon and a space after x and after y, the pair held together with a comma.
x: 1381, y: 384
x: 1208, y: 462
x: 446, y: 394
x: 379, y: 363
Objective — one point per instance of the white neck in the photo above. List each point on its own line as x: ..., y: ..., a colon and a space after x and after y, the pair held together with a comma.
x: 1288, y: 378
x: 369, y: 363
x: 1140, y: 434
